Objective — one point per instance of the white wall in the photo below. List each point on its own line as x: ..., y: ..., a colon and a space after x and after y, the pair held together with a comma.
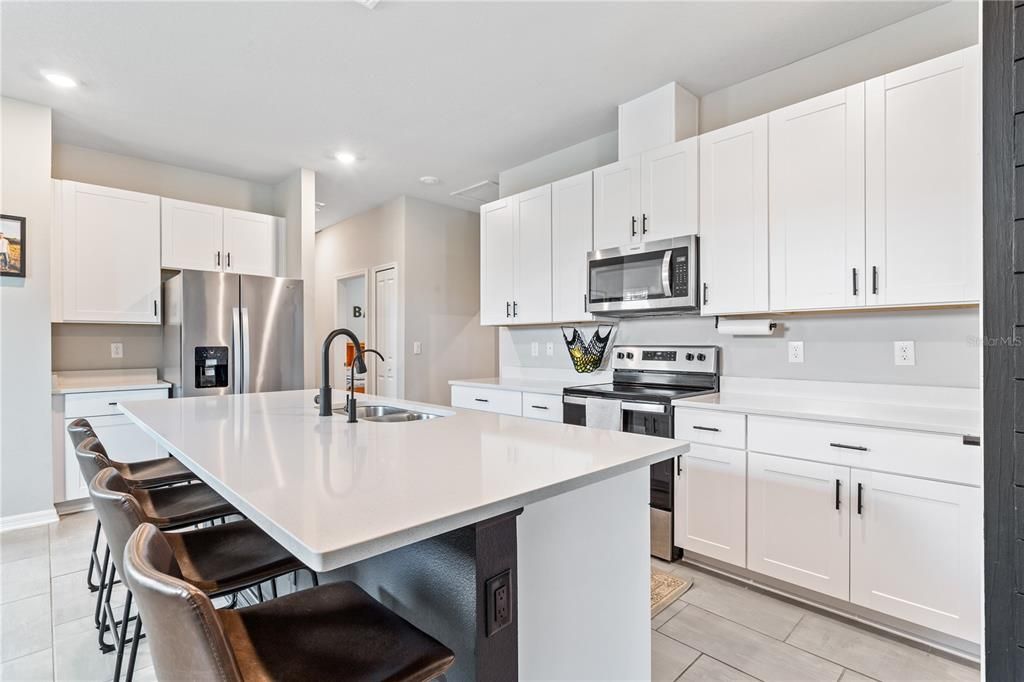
x: 295, y: 199
x: 26, y: 462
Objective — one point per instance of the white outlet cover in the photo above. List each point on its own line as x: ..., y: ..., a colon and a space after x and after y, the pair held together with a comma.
x: 417, y: 347
x: 550, y: 349
x: 795, y: 351
x: 903, y: 353
x: 117, y: 350
x: 534, y: 348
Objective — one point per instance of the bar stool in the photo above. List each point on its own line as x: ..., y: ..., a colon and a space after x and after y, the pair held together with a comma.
x: 168, y: 507
x: 218, y: 560
x: 333, y: 632
x: 168, y: 472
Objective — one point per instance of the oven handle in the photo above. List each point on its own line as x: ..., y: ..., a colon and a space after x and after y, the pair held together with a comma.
x: 666, y: 273
x: 626, y: 406
x: 571, y: 400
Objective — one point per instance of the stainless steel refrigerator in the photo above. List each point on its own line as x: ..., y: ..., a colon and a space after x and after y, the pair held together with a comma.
x: 225, y: 333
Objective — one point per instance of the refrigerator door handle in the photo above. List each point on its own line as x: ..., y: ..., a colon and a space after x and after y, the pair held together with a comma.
x: 236, y: 350
x: 246, y: 360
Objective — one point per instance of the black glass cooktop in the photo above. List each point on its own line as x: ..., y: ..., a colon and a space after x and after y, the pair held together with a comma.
x: 633, y: 392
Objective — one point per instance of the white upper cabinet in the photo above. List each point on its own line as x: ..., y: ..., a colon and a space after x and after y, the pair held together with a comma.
x: 572, y: 237
x: 191, y: 235
x: 816, y: 186
x: 617, y: 204
x: 111, y: 255
x: 515, y: 259
x: 916, y: 551
x: 670, y: 190
x: 250, y: 242
x: 923, y: 189
x: 734, y: 218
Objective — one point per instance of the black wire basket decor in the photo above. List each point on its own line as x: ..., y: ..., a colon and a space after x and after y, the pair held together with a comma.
x: 586, y: 355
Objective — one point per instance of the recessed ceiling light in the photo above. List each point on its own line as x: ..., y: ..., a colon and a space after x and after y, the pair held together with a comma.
x: 430, y: 180
x: 60, y: 80
x: 347, y: 158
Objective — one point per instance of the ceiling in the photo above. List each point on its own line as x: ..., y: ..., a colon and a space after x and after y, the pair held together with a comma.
x: 457, y: 90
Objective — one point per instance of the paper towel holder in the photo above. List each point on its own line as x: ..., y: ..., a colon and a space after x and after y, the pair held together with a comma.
x: 772, y: 325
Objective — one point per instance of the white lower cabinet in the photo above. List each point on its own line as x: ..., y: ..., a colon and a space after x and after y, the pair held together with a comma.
x: 710, y: 503
x: 915, y: 551
x: 123, y: 441
x: 798, y: 522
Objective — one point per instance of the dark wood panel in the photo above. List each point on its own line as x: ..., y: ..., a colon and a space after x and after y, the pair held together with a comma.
x: 1018, y: 32
x: 1018, y: 87
x: 497, y: 656
x: 1016, y: 282
x: 1018, y: 139
x: 1018, y: 459
x: 1018, y: 246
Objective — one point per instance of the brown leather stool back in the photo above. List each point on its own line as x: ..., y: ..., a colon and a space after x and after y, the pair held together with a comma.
x: 92, y: 457
x: 119, y: 511
x: 79, y: 430
x: 186, y: 638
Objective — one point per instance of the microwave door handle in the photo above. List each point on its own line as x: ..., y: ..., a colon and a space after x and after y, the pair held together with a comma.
x: 666, y: 273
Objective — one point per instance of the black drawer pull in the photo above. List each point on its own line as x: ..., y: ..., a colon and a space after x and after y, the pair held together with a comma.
x: 111, y: 404
x: 859, y: 448
x: 707, y: 428
x: 860, y: 498
x: 539, y: 407
x: 482, y: 400
x: 837, y: 494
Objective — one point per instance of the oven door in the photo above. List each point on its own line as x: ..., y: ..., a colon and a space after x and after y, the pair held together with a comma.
x: 650, y: 276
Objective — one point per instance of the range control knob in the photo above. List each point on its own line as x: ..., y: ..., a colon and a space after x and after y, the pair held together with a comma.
x: 619, y: 356
x: 689, y: 356
x: 700, y: 357
x: 629, y: 356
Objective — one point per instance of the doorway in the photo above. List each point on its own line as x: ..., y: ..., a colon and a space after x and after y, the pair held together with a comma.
x: 350, y: 311
x: 385, y: 317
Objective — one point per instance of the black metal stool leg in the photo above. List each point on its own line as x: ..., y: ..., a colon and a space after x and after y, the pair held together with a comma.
x: 106, y: 592
x: 102, y: 586
x: 93, y: 560
x: 136, y: 635
x: 122, y: 638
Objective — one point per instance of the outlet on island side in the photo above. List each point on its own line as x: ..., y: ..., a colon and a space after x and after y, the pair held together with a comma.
x: 498, y: 596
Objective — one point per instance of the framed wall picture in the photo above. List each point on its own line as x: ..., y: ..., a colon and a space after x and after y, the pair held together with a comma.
x: 12, y: 246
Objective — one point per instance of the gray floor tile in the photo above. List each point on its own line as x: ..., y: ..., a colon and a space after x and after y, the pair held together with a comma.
x: 755, y: 654
x: 76, y: 655
x: 73, y: 527
x: 873, y: 655
x: 667, y: 613
x: 37, y: 666
x: 24, y: 578
x: 147, y: 674
x: 72, y: 600
x: 24, y: 543
x: 707, y: 669
x: 669, y: 658
x: 758, y: 611
x: 851, y: 676
x: 25, y: 627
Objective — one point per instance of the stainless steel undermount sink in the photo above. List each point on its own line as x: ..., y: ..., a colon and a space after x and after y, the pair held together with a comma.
x: 387, y: 413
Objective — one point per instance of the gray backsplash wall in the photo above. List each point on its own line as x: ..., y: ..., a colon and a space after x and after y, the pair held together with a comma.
x: 848, y: 346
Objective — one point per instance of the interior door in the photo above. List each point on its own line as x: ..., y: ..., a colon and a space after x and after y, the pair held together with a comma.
x: 617, y: 204
x: 924, y: 182
x: 816, y: 181
x: 497, y: 261
x: 798, y: 522
x: 711, y: 503
x: 915, y: 551
x: 532, y: 302
x: 271, y: 324
x: 670, y: 190
x: 191, y: 235
x: 734, y: 218
x: 250, y: 243
x: 572, y: 237
x: 385, y: 320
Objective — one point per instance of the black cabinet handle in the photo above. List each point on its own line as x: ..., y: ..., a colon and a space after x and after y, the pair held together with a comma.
x: 855, y: 281
x: 633, y: 227
x: 218, y: 259
x: 643, y: 227
x: 111, y: 404
x: 482, y: 400
x: 539, y: 407
x: 679, y: 465
x: 837, y: 494
x: 154, y: 307
x: 860, y: 498
x: 874, y: 279
x: 515, y: 308
x: 229, y: 259
x: 705, y: 293
x: 706, y: 428
x: 859, y: 448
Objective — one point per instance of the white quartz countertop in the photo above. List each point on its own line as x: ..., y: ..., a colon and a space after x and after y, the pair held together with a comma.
x: 334, y: 493
x: 526, y: 385
x: 88, y: 381
x: 848, y: 409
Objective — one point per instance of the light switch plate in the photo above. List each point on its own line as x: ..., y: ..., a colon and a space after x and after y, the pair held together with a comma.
x: 417, y: 347
x: 117, y: 350
x: 796, y: 351
x: 903, y: 352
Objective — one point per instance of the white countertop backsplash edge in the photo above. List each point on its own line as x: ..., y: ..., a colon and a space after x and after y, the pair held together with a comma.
x: 88, y: 381
x: 944, y: 397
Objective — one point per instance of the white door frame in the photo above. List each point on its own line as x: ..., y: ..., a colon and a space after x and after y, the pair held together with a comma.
x: 365, y: 274
x: 371, y: 329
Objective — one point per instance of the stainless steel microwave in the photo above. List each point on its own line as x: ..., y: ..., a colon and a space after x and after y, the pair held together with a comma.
x: 649, y: 278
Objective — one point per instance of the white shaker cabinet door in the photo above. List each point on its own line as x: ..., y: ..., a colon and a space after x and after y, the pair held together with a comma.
x: 923, y: 188
x: 798, y: 522
x: 816, y: 181
x: 617, y: 204
x: 572, y: 237
x: 711, y: 503
x: 191, y: 235
x: 250, y: 243
x: 916, y: 551
x: 532, y: 302
x: 111, y: 254
x: 497, y: 261
x: 734, y: 218
x: 670, y: 191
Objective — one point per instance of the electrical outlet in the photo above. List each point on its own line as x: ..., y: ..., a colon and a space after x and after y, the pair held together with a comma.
x: 498, y: 593
x: 550, y: 349
x: 417, y: 347
x: 904, y: 352
x: 796, y: 351
x: 534, y: 349
x: 117, y: 350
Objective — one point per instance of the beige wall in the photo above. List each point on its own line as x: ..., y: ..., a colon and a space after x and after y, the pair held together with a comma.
x: 26, y: 462
x: 87, y: 346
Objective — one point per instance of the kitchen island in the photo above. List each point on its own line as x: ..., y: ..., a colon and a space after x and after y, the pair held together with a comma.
x: 424, y: 513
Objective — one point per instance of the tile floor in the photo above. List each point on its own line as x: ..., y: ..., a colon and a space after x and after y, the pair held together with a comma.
x: 722, y: 631
x: 718, y: 630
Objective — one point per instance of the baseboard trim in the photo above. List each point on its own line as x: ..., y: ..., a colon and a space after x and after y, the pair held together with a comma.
x: 19, y: 521
x: 73, y: 506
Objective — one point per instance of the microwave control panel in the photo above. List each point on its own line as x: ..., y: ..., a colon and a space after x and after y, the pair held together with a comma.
x: 681, y: 272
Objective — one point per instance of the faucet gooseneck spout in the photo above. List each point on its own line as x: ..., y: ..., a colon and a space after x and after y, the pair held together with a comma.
x: 358, y: 365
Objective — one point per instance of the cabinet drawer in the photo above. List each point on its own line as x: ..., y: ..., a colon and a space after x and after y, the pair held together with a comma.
x: 542, y: 406
x: 98, y: 404
x: 488, y: 400
x: 913, y: 453
x: 725, y: 429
